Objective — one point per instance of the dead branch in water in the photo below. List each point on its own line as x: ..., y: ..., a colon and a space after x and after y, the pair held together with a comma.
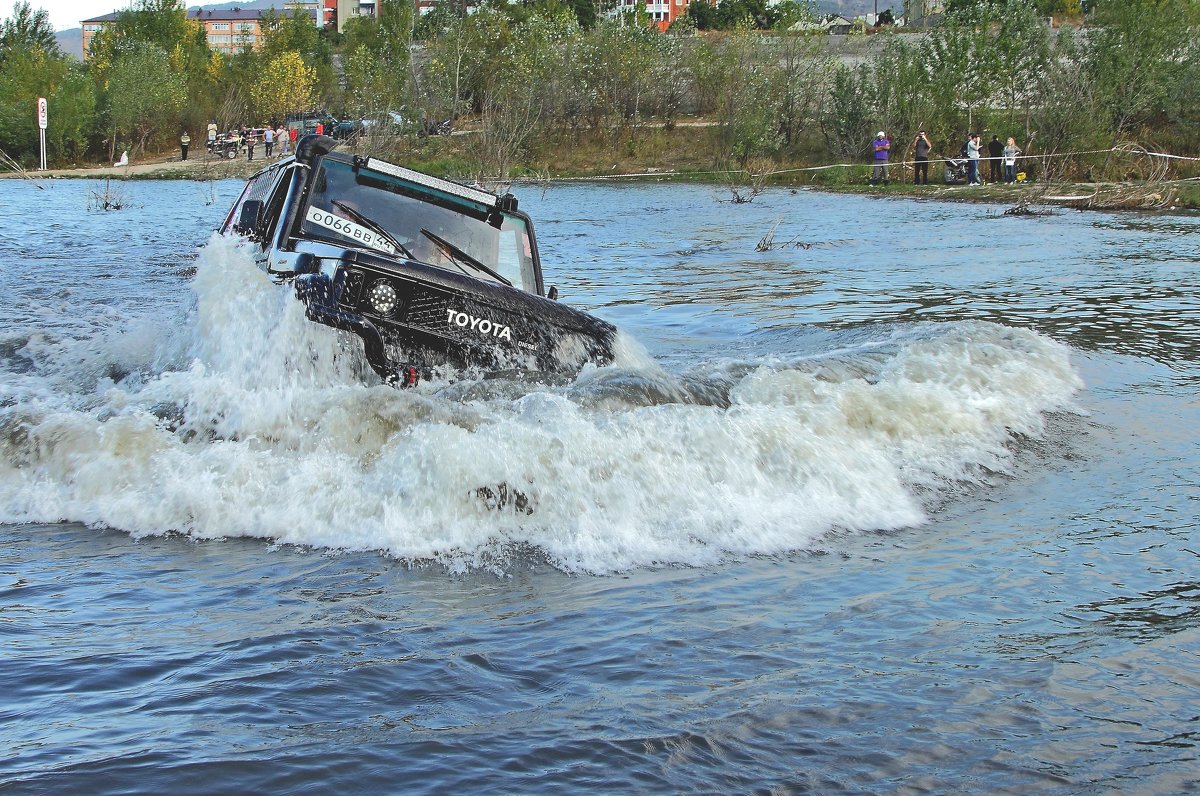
x: 13, y: 165
x: 110, y: 198
x: 756, y: 173
x: 767, y: 243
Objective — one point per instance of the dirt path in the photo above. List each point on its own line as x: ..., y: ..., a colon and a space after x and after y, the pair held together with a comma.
x: 195, y: 168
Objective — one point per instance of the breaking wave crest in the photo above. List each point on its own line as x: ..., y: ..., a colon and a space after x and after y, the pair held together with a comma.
x: 247, y: 420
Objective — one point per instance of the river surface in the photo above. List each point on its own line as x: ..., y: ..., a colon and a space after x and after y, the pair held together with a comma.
x: 906, y: 504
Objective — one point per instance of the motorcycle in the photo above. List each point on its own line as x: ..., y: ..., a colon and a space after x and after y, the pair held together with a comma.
x: 955, y: 171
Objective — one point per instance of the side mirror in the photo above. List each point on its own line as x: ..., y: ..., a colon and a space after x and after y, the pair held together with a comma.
x: 552, y: 293
x: 251, y: 217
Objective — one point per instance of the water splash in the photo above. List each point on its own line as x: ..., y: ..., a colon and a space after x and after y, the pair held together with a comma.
x: 248, y: 420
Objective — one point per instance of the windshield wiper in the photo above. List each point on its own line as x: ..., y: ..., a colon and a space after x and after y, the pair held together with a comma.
x: 460, y: 256
x: 373, y: 226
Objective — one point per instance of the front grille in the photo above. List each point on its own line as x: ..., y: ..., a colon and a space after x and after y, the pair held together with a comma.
x: 427, y: 309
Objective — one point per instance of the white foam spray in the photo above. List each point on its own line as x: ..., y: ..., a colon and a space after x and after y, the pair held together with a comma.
x: 249, y: 420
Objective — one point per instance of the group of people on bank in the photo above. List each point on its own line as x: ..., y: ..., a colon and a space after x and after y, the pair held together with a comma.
x: 233, y: 141
x: 1001, y: 158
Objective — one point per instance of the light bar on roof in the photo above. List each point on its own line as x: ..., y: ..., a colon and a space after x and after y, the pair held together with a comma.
x: 445, y: 186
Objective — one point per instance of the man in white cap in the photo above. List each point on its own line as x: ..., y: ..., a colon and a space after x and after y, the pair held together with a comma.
x: 882, y: 146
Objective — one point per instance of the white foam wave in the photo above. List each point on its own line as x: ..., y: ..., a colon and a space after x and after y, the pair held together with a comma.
x: 272, y: 427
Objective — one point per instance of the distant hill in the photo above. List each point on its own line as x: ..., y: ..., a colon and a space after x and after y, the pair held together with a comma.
x: 242, y: 4
x: 70, y: 41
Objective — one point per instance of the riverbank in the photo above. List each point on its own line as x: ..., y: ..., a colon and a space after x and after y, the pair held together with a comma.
x: 657, y: 154
x: 161, y: 167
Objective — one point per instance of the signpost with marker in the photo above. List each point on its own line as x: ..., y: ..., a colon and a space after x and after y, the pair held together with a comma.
x: 42, y: 128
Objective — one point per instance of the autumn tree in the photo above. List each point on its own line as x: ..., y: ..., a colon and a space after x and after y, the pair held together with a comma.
x: 295, y: 31
x: 160, y: 23
x: 286, y: 85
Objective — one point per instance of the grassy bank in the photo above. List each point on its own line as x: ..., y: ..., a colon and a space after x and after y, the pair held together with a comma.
x: 685, y: 152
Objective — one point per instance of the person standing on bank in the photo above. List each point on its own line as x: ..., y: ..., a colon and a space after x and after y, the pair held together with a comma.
x: 1011, y: 150
x: 995, y: 152
x: 269, y: 139
x: 973, y: 160
x: 882, y: 146
x: 184, y: 141
x: 212, y: 134
x: 250, y: 145
x: 921, y: 148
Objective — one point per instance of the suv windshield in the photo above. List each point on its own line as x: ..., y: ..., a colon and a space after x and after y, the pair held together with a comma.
x: 373, y: 210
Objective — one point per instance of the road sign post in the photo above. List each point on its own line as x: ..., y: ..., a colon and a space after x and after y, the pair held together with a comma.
x: 41, y: 111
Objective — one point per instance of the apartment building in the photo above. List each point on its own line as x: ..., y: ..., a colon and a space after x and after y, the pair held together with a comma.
x: 661, y: 12
x: 229, y: 30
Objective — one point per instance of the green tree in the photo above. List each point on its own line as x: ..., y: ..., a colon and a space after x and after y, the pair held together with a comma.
x: 376, y: 62
x: 849, y: 119
x: 522, y: 94
x: 27, y: 30
x: 959, y: 55
x: 144, y: 96
x: 798, y: 81
x: 32, y: 66
x: 702, y: 15
x: 1023, y: 55
x: 905, y: 102
x: 1062, y: 112
x: 161, y: 23
x: 1134, y: 55
x: 1182, y: 103
x: 72, y: 110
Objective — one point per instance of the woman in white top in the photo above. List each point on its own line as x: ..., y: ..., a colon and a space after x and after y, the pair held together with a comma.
x: 1011, y: 150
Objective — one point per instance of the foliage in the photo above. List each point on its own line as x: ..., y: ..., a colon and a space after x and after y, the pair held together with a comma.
x: 849, y: 115
x: 286, y: 85
x: 158, y: 23
x: 1135, y: 54
x: 529, y: 74
x: 296, y: 33
x: 761, y: 14
x: 144, y: 95
x: 32, y: 66
x: 27, y: 30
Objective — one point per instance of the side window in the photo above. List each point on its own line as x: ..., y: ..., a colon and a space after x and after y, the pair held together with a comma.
x: 274, y: 209
x: 514, y: 256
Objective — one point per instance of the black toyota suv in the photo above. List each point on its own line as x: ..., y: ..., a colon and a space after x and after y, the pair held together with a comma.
x: 428, y: 272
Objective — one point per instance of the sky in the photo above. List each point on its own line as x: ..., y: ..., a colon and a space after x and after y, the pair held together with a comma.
x: 66, y: 14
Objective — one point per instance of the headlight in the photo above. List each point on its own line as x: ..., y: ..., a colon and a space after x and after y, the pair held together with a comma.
x: 382, y: 297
